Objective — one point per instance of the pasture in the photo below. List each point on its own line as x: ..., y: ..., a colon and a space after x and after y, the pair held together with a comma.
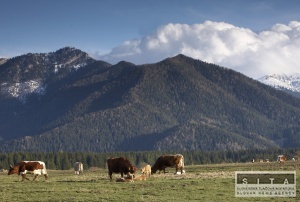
x: 213, y: 182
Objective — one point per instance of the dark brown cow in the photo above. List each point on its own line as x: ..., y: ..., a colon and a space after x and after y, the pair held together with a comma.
x: 35, y: 167
x: 168, y: 161
x: 120, y: 165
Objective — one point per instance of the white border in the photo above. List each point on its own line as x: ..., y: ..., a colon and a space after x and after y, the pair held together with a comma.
x: 270, y: 186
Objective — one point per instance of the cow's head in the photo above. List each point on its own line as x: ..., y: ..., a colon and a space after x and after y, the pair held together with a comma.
x: 153, y: 170
x: 13, y: 170
x: 132, y: 170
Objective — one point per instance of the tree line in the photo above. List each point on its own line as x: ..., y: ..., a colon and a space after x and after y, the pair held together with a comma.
x: 66, y: 160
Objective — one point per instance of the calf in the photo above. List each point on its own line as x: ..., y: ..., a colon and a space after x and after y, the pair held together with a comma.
x: 146, y: 170
x: 34, y: 167
x: 141, y: 177
x: 120, y: 165
x: 163, y: 162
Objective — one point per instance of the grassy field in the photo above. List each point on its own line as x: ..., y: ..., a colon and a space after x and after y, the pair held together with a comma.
x: 214, y: 182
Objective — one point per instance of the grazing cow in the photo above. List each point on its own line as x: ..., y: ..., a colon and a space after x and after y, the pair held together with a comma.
x: 78, y: 168
x: 33, y: 167
x: 120, y: 165
x: 281, y: 159
x: 146, y: 170
x: 163, y: 162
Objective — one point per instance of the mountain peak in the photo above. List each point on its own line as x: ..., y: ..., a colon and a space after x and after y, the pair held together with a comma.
x: 3, y: 60
x: 31, y: 70
x: 68, y: 49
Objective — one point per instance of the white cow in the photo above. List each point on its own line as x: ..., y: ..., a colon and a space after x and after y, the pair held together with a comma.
x: 78, y: 168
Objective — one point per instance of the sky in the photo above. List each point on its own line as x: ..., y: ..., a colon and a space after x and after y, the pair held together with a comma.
x: 256, y: 38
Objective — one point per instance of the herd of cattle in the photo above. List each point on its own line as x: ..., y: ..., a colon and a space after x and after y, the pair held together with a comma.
x: 119, y: 165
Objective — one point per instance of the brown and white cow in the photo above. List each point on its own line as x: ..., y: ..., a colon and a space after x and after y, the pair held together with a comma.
x: 163, y: 162
x: 120, y: 165
x: 146, y: 170
x: 78, y: 168
x: 33, y: 167
x: 281, y: 159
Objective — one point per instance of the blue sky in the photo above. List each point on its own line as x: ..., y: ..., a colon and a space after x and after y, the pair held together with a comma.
x: 113, y: 28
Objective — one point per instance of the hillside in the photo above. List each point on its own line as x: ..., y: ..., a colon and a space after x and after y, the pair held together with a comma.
x: 176, y: 104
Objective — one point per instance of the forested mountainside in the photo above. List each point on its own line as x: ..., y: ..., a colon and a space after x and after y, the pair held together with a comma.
x: 67, y: 101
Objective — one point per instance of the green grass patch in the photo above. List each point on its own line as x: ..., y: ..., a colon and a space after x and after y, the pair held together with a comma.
x: 214, y: 182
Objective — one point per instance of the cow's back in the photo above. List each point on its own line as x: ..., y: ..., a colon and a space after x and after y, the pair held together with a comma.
x: 117, y: 165
x: 40, y: 169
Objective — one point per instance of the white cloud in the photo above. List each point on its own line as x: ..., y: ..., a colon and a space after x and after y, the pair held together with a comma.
x: 254, y: 54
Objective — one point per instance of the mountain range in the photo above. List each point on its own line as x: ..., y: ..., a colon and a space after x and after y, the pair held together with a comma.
x: 68, y: 101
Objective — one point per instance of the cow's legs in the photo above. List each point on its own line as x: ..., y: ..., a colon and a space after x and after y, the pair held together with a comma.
x: 24, y: 177
x: 176, y: 169
x: 110, y: 175
x: 46, y: 176
x: 35, y: 176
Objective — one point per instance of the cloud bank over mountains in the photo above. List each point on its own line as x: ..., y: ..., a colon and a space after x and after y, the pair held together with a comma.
x: 272, y: 51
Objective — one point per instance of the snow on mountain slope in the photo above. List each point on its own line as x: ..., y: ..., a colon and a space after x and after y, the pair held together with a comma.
x: 24, y: 75
x: 282, y: 82
x: 21, y: 90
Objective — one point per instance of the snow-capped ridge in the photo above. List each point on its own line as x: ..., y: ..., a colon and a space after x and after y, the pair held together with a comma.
x: 282, y: 81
